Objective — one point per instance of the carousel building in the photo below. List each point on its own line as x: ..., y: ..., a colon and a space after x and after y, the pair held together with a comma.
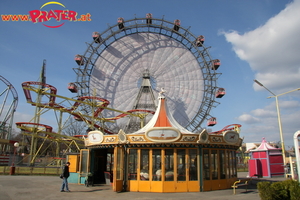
x: 162, y: 156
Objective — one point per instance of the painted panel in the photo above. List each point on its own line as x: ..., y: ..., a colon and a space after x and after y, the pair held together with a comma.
x: 133, y: 186
x: 74, y: 160
x: 265, y: 168
x: 223, y: 184
x: 207, y: 185
x: 156, y: 186
x: 163, y: 134
x: 276, y: 159
x: 263, y: 154
x: 193, y: 186
x: 181, y: 186
x: 169, y: 186
x: 144, y: 186
x: 215, y: 184
x: 277, y: 169
x: 252, y: 167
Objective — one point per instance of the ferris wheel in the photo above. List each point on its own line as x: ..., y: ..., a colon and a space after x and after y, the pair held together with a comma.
x: 131, y: 61
x: 8, y: 105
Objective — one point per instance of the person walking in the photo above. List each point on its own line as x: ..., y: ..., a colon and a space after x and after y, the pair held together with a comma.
x: 65, y: 176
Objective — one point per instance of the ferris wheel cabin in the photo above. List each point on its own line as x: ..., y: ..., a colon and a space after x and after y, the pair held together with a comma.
x: 220, y: 92
x: 215, y: 64
x: 212, y: 121
x: 149, y: 18
x: 121, y: 23
x: 72, y: 87
x: 176, y: 25
x: 79, y: 59
x: 200, y: 40
x: 96, y: 37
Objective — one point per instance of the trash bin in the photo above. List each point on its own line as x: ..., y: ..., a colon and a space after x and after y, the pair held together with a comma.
x: 107, y: 176
x: 12, y: 170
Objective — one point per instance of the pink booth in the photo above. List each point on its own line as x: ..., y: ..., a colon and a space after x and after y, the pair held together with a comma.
x: 266, y: 161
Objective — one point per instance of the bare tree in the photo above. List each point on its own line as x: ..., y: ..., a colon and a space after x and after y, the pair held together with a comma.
x: 75, y: 127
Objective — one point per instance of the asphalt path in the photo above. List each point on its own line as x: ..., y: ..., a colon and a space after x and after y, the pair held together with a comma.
x: 19, y: 187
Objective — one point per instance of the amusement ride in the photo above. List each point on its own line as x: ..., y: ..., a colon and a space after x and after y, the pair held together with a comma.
x: 118, y: 78
x: 9, y: 102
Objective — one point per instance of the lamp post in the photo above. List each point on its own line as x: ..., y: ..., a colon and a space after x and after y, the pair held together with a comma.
x: 13, y: 168
x: 278, y: 115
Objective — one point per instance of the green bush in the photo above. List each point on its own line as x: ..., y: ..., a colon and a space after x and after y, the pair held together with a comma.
x: 265, y: 190
x: 285, y: 190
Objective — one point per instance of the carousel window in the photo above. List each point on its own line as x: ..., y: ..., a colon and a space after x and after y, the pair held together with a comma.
x: 156, y: 164
x: 206, y: 165
x: 120, y: 159
x: 132, y: 167
x: 234, y: 173
x: 169, y: 165
x: 229, y: 164
x: 193, y: 173
x: 84, y: 161
x: 144, y: 165
x: 214, y: 164
x: 181, y: 165
x: 222, y: 165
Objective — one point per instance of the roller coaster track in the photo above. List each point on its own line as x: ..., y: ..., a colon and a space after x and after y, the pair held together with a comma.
x: 95, y: 102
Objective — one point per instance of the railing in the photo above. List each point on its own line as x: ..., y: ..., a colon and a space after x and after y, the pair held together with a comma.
x: 4, y: 170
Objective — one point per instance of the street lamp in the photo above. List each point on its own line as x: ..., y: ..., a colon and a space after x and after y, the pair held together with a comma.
x: 279, y: 118
x: 13, y: 168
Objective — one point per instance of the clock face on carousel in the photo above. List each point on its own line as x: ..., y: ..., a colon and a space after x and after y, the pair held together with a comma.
x: 231, y: 137
x: 95, y: 136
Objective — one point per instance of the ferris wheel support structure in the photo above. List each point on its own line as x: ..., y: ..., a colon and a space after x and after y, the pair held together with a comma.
x: 156, y: 26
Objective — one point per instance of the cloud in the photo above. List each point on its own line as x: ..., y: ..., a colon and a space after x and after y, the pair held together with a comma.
x: 248, y: 119
x: 272, y: 49
x: 263, y: 113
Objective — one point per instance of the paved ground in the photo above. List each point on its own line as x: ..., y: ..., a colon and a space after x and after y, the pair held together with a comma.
x: 48, y: 187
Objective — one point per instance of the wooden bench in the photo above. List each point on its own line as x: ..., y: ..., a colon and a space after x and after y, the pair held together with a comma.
x: 241, y: 182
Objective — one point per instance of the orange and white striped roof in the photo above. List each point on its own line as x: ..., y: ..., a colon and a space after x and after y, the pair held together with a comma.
x: 162, y: 118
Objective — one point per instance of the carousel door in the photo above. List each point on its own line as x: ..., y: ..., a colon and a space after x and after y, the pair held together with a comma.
x: 118, y: 171
x: 84, y: 165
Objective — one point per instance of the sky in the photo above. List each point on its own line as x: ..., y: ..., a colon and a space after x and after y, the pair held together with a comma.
x: 254, y: 39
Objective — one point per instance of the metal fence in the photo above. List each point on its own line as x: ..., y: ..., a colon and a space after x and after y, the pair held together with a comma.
x: 5, y: 170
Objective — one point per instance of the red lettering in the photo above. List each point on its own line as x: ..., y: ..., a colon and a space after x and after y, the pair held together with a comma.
x: 64, y: 15
x: 15, y: 18
x: 51, y: 14
x: 43, y: 16
x: 34, y: 15
x: 58, y: 14
x: 72, y: 15
x: 5, y: 17
x: 24, y: 17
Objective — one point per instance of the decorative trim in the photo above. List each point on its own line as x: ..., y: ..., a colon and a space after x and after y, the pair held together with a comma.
x: 138, y: 138
x: 122, y: 137
x: 163, y: 134
x: 110, y: 139
x: 189, y: 138
x: 203, y: 137
x: 95, y: 137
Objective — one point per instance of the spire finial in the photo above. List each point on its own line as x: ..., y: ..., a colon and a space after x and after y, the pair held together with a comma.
x: 161, y: 94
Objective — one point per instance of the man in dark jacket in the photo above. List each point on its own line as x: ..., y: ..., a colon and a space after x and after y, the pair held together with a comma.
x: 65, y: 175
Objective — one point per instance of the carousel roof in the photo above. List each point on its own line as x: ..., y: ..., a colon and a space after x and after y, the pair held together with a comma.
x: 264, y: 146
x: 162, y: 118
